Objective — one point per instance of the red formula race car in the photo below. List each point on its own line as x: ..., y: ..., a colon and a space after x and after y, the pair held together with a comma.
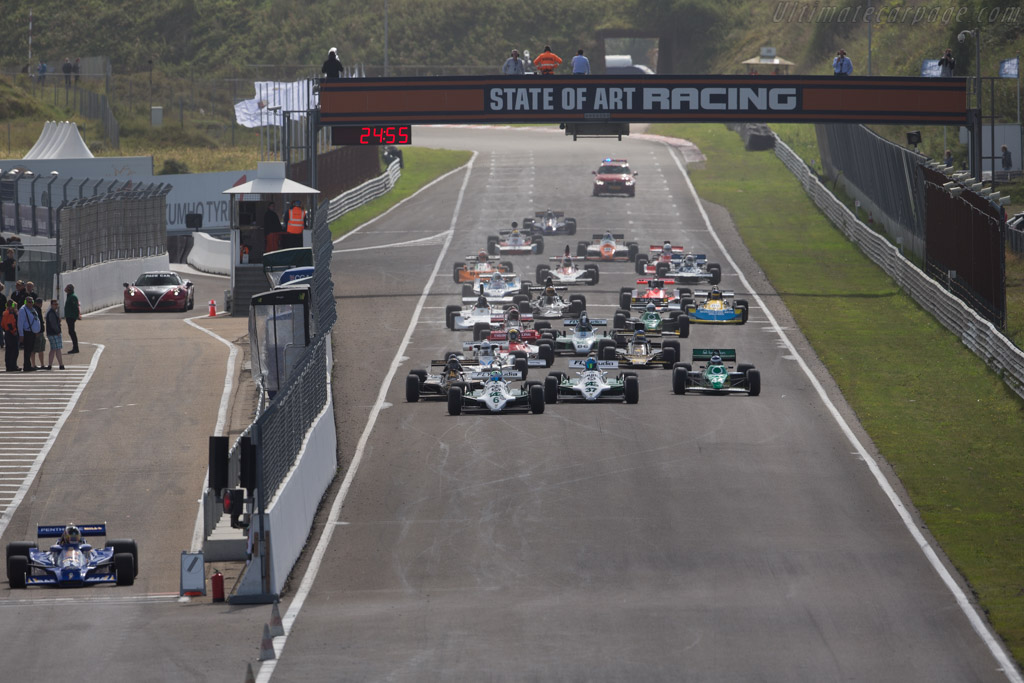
x: 159, y: 291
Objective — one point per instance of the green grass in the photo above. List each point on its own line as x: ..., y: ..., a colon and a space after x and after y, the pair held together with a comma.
x: 947, y: 424
x: 421, y: 166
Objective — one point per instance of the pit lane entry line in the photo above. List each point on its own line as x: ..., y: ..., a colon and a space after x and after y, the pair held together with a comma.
x: 267, y: 668
x: 1007, y: 665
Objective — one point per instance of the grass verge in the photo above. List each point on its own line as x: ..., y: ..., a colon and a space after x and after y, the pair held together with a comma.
x: 947, y: 424
x: 421, y: 166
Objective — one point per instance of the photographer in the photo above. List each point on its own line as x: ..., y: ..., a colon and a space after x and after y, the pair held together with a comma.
x: 947, y: 64
x: 841, y: 65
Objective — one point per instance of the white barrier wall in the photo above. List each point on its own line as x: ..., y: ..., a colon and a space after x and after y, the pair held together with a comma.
x: 101, y: 285
x: 210, y: 255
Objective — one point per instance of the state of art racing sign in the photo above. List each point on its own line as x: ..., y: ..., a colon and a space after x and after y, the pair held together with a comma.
x: 540, y: 99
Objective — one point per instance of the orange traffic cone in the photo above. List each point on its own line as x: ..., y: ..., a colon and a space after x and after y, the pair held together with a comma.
x: 213, y: 308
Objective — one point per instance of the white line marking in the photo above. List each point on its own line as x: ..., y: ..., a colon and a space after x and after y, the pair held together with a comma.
x: 395, y: 245
x: 37, y: 463
x: 267, y: 668
x: 980, y: 627
x: 222, y: 418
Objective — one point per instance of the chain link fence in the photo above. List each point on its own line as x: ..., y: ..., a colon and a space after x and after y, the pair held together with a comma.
x: 882, y: 176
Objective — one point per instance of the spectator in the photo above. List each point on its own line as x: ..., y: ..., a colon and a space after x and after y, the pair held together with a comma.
x: 332, y: 68
x: 580, y: 64
x: 513, y: 65
x: 72, y: 314
x: 547, y: 62
x: 41, y: 335
x: 9, y: 324
x: 1007, y: 159
x: 19, y: 293
x: 67, y: 68
x: 30, y: 290
x: 77, y: 69
x: 41, y: 70
x: 7, y: 269
x: 28, y: 326
x: 947, y: 64
x: 53, y: 334
x: 272, y: 228
x: 841, y: 65
x: 3, y: 307
x: 948, y: 160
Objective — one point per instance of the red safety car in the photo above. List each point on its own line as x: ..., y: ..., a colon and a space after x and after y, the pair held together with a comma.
x: 159, y: 291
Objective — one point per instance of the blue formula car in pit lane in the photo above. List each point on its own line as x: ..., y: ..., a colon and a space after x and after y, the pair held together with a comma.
x: 71, y: 562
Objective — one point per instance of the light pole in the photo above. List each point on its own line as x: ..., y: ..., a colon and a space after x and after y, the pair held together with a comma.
x: 52, y: 226
x: 975, y: 33
x: 385, y: 38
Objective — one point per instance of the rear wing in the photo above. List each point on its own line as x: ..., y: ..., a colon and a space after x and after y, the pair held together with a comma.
x: 675, y: 250
x: 581, y: 364
x: 506, y: 373
x: 705, y: 354
x: 655, y: 283
x: 543, y: 214
x: 615, y: 235
x: 541, y: 288
x: 47, y: 531
x: 697, y: 293
x: 593, y: 321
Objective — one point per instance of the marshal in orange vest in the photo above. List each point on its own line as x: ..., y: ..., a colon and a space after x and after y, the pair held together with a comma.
x: 296, y: 220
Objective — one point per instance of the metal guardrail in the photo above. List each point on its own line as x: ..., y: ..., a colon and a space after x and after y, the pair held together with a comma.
x: 369, y: 190
x: 976, y: 333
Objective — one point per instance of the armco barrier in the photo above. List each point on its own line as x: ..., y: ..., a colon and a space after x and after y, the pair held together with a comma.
x: 977, y: 334
x: 369, y: 190
x: 210, y: 254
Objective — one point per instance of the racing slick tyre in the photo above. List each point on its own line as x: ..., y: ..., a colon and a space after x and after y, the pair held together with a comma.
x: 524, y: 288
x: 581, y: 249
x: 594, y: 273
x: 469, y: 292
x: 17, y: 571
x: 507, y: 265
x: 683, y: 325
x: 422, y: 374
x: 124, y: 569
x: 631, y: 385
x: 541, y: 325
x: 625, y: 298
x: 551, y: 389
x: 546, y: 353
x: 575, y: 309
x: 619, y: 321
x: 578, y: 297
x: 481, y: 330
x: 538, y: 245
x: 543, y: 273
x: 685, y: 366
x: 459, y: 265
x: 680, y: 379
x: 455, y: 400
x: 570, y: 226
x: 525, y: 307
x: 716, y: 273
x: 743, y: 308
x: 754, y: 382
x: 522, y: 365
x: 603, y: 344
x: 536, y: 393
x: 607, y: 353
x: 520, y: 299
x: 449, y: 315
x: 661, y: 269
x: 20, y: 548
x: 126, y: 545
x: 492, y: 245
x: 641, y: 264
x: 412, y: 388
x: 743, y: 367
x: 633, y: 249
x: 670, y: 357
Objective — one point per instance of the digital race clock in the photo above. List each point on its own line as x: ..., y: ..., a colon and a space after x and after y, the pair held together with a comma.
x: 371, y: 135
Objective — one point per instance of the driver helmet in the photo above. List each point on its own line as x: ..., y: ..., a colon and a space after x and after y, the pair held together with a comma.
x: 454, y: 367
x: 496, y: 277
x: 481, y: 301
x: 608, y: 236
x: 639, y: 336
x: 485, y: 348
x: 513, y: 315
x: 716, y: 359
x: 496, y: 375
x: 72, y: 534
x: 513, y: 335
x: 666, y: 248
x: 650, y: 308
x: 715, y: 293
x: 590, y: 363
x: 550, y: 213
x: 567, y: 262
x: 482, y: 257
x: 549, y: 291
x: 689, y: 259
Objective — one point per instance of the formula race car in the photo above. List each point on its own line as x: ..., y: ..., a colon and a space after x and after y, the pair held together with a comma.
x: 496, y: 395
x: 71, y: 562
x: 566, y: 271
x: 719, y: 374
x: 487, y: 355
x: 549, y: 222
x: 638, y: 351
x: 672, y: 263
x: 479, y: 266
x: 652, y: 322
x: 514, y: 242
x: 550, y: 305
x: 592, y: 383
x: 529, y: 344
x: 435, y: 382
x: 613, y: 176
x: 607, y: 247
x: 583, y: 339
x: 652, y: 291
x: 159, y: 291
x: 716, y: 307
x: 497, y: 289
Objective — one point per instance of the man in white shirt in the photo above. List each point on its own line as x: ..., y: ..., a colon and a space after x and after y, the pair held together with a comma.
x: 580, y: 65
x: 513, y: 65
x: 841, y: 65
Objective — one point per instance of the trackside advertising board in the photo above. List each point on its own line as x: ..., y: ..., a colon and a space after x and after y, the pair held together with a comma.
x: 553, y: 99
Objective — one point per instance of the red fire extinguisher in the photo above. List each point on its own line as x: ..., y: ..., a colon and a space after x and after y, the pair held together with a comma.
x: 217, y: 583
